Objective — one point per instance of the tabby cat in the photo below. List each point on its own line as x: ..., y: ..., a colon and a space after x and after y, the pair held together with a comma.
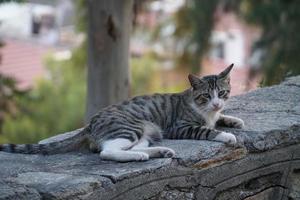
x: 125, y: 131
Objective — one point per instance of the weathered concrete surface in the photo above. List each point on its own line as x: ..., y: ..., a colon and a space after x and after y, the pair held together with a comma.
x: 266, y: 165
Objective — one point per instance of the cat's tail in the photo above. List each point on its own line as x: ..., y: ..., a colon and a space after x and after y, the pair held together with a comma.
x: 72, y: 143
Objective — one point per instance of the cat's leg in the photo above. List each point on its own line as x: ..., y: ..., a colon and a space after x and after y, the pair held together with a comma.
x: 153, y: 152
x: 216, y: 135
x: 116, y: 149
x: 226, y: 137
x: 190, y: 131
x: 230, y: 121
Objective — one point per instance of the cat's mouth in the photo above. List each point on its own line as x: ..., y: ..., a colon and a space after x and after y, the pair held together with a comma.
x: 216, y: 109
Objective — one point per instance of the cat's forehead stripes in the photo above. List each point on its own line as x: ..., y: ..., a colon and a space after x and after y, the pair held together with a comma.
x: 211, y: 81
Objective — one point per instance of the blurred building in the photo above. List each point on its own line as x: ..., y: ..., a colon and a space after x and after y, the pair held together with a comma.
x: 232, y: 42
x: 31, y: 30
x: 23, y: 61
x: 38, y: 22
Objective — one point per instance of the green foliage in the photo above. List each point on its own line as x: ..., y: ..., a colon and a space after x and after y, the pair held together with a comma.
x: 8, y: 95
x: 279, y: 20
x: 141, y: 69
x: 194, y: 24
x: 147, y: 77
x: 81, y: 15
x: 56, y: 105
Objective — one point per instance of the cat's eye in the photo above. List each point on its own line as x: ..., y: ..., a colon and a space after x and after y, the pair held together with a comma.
x: 222, y: 93
x: 206, y: 95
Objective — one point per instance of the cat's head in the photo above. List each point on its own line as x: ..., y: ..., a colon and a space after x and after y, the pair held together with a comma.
x: 209, y: 93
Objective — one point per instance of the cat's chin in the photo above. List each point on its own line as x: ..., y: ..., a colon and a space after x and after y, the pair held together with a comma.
x: 216, y: 110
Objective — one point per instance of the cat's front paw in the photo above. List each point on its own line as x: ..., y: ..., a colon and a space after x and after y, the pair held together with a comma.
x: 230, y: 121
x: 167, y: 152
x: 238, y: 123
x: 226, y: 137
x: 142, y: 156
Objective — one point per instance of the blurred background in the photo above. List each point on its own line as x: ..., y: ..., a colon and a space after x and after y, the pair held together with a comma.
x: 43, y: 54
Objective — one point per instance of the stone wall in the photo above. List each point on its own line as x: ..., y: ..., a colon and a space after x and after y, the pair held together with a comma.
x: 265, y: 166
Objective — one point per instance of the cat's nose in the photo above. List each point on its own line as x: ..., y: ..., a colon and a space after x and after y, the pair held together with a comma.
x: 216, y: 106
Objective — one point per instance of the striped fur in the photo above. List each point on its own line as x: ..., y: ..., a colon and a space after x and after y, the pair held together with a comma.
x: 76, y: 142
x: 136, y: 123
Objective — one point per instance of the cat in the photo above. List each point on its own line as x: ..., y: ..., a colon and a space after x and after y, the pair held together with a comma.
x: 125, y: 132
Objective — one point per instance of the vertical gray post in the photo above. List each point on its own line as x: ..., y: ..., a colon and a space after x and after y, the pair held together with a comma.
x: 109, y: 27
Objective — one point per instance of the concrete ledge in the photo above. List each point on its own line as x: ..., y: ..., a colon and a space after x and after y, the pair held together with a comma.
x: 265, y: 166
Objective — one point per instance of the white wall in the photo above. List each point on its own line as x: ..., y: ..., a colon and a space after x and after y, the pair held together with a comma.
x: 233, y: 42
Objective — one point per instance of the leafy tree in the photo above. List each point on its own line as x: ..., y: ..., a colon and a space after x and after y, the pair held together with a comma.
x: 8, y: 95
x: 8, y: 89
x: 140, y: 70
x: 197, y: 18
x: 280, y: 40
x: 56, y: 105
x: 278, y: 19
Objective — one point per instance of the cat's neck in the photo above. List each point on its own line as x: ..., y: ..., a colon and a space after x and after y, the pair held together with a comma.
x: 211, y: 118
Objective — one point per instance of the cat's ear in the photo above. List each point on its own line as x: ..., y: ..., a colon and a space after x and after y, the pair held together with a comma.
x: 195, y: 81
x: 224, y: 75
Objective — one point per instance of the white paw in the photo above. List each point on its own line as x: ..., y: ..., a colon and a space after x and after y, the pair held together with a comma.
x: 225, y: 137
x: 142, y: 156
x: 167, y: 152
x: 239, y: 123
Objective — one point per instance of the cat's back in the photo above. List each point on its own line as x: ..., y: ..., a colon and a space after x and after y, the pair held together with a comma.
x: 140, y: 107
x: 152, y: 108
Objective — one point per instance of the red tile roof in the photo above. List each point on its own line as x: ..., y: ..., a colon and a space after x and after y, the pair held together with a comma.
x: 23, y: 61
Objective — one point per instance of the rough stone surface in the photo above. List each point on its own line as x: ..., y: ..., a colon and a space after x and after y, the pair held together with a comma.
x: 265, y: 164
x: 12, y: 191
x: 60, y: 137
